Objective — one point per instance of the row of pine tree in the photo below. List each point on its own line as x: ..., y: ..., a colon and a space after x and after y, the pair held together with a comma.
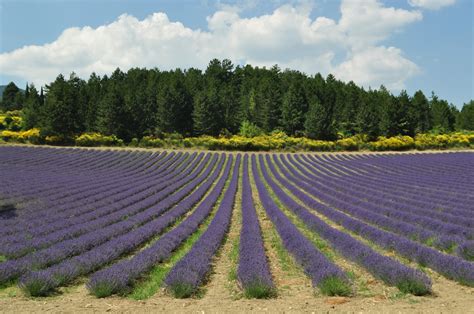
x: 218, y: 100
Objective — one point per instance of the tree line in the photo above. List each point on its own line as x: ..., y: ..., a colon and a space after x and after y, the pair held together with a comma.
x: 223, y: 98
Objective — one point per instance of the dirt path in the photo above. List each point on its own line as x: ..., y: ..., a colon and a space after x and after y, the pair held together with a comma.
x: 449, y: 298
x: 220, y: 286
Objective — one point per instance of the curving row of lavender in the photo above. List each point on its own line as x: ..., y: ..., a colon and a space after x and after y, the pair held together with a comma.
x: 253, y: 271
x: 114, y: 215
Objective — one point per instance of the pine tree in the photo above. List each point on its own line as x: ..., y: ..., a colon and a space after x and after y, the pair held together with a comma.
x: 293, y: 109
x: 466, y: 117
x: 12, y: 98
x: 32, y: 109
x: 368, y: 116
x: 443, y: 116
x: 396, y: 120
x: 207, y: 114
x: 174, y: 106
x: 113, y: 117
x: 62, y: 108
x: 421, y: 112
x: 269, y: 97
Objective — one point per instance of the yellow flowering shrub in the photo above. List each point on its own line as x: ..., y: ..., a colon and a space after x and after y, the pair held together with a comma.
x: 392, y: 143
x: 97, y: 139
x: 349, y: 143
x: 442, y: 141
x: 11, y: 120
x: 29, y: 136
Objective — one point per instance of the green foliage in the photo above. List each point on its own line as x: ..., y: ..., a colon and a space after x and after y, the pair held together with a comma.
x: 334, y: 286
x: 102, y: 290
x: 443, y: 115
x: 12, y: 98
x: 63, y: 115
x: 466, y: 117
x: 319, y: 124
x: 207, y: 115
x: 294, y: 106
x: 113, y: 116
x: 181, y: 290
x: 149, y: 141
x: 32, y: 109
x: 36, y: 287
x: 257, y: 290
x: 248, y: 129
x: 421, y: 112
x: 397, y: 119
x: 175, y: 105
x: 146, y: 103
x: 413, y: 287
x: 368, y: 116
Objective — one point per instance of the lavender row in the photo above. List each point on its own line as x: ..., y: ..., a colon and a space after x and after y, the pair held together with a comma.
x: 253, y: 271
x: 410, y: 194
x: 395, y: 210
x: 119, y: 277
x: 107, y: 205
x: 422, y: 202
x: 382, y: 165
x: 95, y: 182
x: 384, y: 182
x: 386, y: 269
x: 94, y: 221
x: 323, y: 273
x: 59, y: 251
x: 43, y: 282
x: 446, y: 237
x: 187, y: 274
x: 450, y: 266
x: 410, y: 164
x: 72, y: 180
x: 58, y: 212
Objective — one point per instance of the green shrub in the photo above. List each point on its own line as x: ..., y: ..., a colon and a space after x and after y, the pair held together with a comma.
x: 150, y: 141
x: 334, y: 286
x: 249, y: 129
x: 181, y: 290
x: 258, y: 290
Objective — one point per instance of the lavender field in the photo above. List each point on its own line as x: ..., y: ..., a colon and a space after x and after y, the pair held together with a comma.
x: 140, y: 223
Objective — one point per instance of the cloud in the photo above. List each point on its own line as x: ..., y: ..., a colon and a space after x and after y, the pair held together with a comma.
x: 431, y: 4
x: 349, y: 47
x: 378, y: 64
x: 368, y: 22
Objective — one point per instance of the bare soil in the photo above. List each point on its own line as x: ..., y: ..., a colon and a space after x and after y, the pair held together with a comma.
x: 449, y: 297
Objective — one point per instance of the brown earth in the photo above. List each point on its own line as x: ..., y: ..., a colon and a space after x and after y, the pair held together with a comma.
x: 448, y: 297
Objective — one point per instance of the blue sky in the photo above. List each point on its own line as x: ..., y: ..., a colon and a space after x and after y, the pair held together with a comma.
x: 403, y: 44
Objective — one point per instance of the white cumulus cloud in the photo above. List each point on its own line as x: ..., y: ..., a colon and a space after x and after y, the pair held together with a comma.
x: 351, y: 47
x: 431, y: 4
x: 378, y: 64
